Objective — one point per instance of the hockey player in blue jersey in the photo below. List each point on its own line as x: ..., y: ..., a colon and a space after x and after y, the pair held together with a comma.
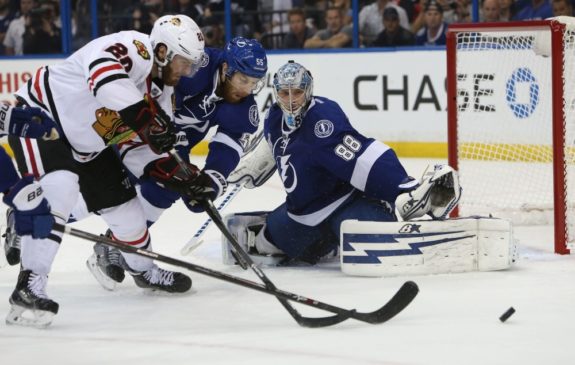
x: 329, y: 170
x: 220, y: 95
x: 29, y: 211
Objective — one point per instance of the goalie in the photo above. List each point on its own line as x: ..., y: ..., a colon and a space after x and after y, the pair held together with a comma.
x: 330, y: 173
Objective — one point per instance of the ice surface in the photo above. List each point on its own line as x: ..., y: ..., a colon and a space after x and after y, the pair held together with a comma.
x: 454, y: 320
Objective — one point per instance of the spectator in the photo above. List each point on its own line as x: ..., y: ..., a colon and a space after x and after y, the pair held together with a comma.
x: 536, y: 10
x: 335, y: 35
x: 490, y: 11
x: 141, y: 20
x: 299, y: 32
x: 371, y: 20
x: 345, y: 6
x: 6, y: 17
x: 192, y: 8
x: 41, y: 35
x: 507, y: 10
x: 13, y: 41
x: 433, y: 31
x: 393, y: 34
x: 562, y: 7
x: 213, y: 32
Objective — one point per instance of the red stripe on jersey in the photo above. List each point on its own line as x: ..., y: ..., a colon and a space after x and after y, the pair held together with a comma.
x: 133, y: 243
x: 32, y: 157
x: 101, y: 70
x: 37, y: 85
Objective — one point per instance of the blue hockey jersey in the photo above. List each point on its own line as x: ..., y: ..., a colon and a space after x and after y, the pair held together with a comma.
x: 198, y: 108
x: 325, y: 160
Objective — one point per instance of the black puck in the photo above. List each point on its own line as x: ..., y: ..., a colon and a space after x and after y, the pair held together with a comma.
x: 508, y: 313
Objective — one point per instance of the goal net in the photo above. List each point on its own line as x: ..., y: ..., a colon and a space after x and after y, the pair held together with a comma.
x: 511, y: 134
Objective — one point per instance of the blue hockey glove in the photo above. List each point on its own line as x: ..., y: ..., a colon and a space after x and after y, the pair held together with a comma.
x: 29, y: 123
x: 207, y: 186
x: 31, y: 211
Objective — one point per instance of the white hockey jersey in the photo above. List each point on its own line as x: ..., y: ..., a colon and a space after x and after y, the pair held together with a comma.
x: 84, y: 92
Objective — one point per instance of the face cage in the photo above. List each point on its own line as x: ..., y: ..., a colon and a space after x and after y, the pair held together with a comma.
x: 293, y: 119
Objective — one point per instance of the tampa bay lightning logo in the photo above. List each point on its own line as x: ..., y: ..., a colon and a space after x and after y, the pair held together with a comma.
x: 254, y: 115
x: 287, y: 173
x: 522, y: 79
x: 323, y: 128
x: 205, y: 60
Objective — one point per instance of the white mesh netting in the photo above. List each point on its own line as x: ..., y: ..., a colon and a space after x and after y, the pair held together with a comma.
x: 505, y: 129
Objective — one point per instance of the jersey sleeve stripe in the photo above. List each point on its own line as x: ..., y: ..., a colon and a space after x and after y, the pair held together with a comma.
x: 108, y: 79
x: 37, y: 85
x: 102, y: 70
x: 364, y: 163
x: 101, y: 60
x: 228, y: 141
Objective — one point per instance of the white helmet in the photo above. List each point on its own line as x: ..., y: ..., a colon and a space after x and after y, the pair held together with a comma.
x: 181, y: 36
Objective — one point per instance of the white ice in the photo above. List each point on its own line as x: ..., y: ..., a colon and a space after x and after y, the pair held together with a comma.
x: 454, y: 319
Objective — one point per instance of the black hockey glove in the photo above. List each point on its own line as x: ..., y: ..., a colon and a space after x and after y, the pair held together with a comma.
x: 151, y: 123
x: 207, y: 186
x: 169, y: 174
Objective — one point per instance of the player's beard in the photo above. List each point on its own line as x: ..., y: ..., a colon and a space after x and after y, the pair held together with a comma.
x: 230, y: 94
x: 168, y: 76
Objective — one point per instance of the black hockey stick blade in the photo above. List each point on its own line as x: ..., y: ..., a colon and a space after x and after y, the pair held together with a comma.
x: 393, y: 307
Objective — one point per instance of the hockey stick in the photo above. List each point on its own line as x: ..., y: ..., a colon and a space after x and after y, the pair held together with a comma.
x: 245, y: 261
x: 393, y: 307
x: 195, y: 241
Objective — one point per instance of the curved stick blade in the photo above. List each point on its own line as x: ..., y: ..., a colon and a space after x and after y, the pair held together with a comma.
x: 393, y: 307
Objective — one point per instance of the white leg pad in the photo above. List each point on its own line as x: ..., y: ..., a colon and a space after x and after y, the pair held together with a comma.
x: 426, y: 247
x: 242, y: 227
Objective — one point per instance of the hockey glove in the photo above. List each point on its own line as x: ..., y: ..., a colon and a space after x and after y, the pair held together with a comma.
x: 169, y: 174
x: 151, y: 123
x: 31, y: 210
x: 437, y: 195
x: 209, y: 185
x: 28, y: 123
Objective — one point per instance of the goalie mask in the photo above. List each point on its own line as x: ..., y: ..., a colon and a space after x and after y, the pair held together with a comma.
x: 183, y: 40
x: 293, y: 88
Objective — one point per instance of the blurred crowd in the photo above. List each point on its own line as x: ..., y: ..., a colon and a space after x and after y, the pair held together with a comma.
x: 34, y: 26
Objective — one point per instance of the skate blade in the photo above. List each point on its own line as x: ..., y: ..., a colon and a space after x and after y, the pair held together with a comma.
x: 103, y: 279
x: 21, y: 316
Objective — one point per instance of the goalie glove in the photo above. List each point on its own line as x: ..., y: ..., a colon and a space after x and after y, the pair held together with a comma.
x: 437, y: 195
x: 256, y: 166
x: 151, y: 123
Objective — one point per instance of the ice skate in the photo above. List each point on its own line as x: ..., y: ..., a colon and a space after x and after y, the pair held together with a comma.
x: 11, y: 240
x: 30, y: 303
x: 157, y: 278
x: 106, y: 265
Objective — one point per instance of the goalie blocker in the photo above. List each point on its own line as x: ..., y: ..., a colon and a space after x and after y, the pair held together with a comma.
x: 426, y: 247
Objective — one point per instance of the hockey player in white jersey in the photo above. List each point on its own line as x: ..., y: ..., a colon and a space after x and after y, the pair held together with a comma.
x: 115, y: 89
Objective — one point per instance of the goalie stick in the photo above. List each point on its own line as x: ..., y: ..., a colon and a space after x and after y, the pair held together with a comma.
x: 245, y: 260
x: 393, y: 307
x: 195, y: 241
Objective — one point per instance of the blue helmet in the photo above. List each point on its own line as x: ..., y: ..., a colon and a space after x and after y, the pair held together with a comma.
x: 246, y: 56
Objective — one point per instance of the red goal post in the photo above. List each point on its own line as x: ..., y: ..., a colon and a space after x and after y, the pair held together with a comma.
x: 511, y: 121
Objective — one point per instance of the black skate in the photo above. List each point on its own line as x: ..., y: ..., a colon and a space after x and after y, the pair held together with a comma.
x: 11, y: 240
x: 30, y: 304
x: 157, y: 278
x: 106, y: 264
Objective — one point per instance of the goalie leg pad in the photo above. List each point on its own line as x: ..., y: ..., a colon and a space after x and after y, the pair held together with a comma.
x: 426, y: 247
x: 248, y: 229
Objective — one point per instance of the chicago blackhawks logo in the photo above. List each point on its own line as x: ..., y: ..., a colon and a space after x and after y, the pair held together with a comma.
x: 142, y: 50
x: 176, y: 21
x: 110, y: 127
